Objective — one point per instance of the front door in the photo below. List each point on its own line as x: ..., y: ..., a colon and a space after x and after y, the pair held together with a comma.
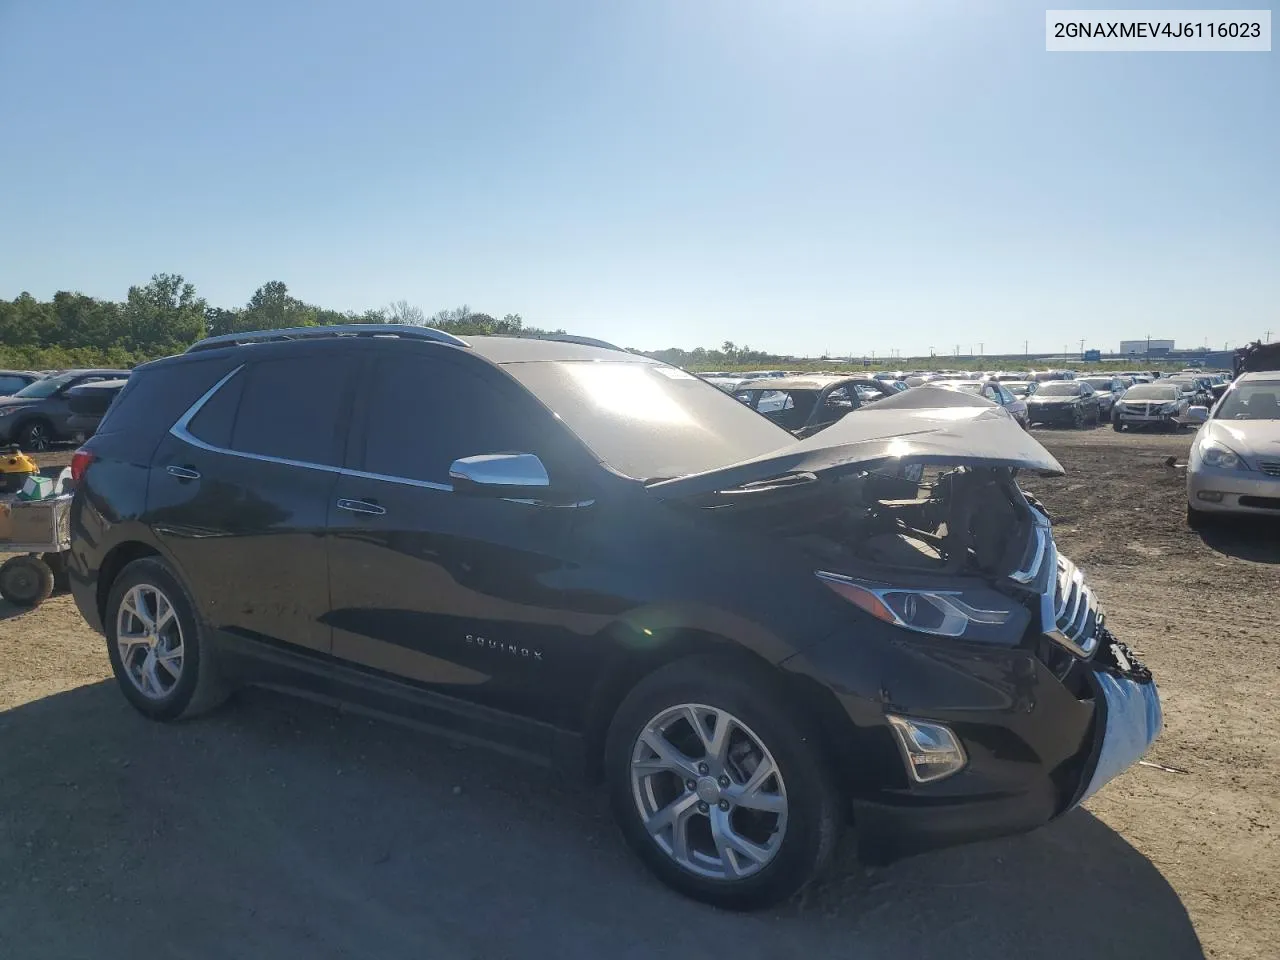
x: 458, y: 592
x: 239, y: 496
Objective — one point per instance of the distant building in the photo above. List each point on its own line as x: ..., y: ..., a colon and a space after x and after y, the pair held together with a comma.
x: 1144, y: 346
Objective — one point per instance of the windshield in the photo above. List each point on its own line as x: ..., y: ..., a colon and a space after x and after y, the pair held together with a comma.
x: 1061, y: 389
x: 1016, y: 388
x: 1099, y: 383
x: 648, y: 420
x: 1151, y: 391
x: 1252, y: 401
x: 973, y: 386
x: 44, y: 388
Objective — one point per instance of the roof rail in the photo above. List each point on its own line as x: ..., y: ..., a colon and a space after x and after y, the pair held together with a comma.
x: 583, y: 341
x: 402, y: 330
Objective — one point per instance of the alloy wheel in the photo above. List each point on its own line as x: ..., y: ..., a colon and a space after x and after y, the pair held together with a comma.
x: 709, y: 792
x: 37, y: 437
x: 149, y: 640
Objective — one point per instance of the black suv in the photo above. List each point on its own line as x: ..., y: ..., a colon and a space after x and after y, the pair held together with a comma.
x: 37, y: 415
x: 604, y: 562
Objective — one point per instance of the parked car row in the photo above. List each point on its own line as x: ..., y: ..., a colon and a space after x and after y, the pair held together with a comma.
x: 54, y: 408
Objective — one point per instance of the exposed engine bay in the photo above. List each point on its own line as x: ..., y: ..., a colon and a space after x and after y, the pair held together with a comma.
x: 962, y: 520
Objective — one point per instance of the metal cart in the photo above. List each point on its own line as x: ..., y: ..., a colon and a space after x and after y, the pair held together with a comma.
x: 38, y: 531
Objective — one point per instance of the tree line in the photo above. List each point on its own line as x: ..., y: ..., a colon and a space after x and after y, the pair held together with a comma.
x: 166, y: 315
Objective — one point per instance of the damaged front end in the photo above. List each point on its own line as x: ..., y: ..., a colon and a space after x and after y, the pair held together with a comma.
x: 1000, y: 689
x: 911, y: 510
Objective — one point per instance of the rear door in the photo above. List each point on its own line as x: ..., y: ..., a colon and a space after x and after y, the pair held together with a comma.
x: 454, y: 591
x: 239, y: 491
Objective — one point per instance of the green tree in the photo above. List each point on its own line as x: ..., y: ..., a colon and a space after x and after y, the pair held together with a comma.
x: 27, y: 322
x: 164, y: 316
x: 271, y: 308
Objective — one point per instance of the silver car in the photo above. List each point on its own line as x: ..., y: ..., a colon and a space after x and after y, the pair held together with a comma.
x: 1158, y: 405
x: 1234, y: 465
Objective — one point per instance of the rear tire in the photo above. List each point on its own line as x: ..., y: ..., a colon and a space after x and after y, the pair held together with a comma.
x: 146, y: 669
x: 724, y: 842
x: 25, y: 581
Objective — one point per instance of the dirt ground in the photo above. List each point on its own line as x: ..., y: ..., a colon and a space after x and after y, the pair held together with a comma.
x: 284, y: 829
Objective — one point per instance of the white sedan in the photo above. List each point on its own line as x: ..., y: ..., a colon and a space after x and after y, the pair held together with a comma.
x: 1234, y: 465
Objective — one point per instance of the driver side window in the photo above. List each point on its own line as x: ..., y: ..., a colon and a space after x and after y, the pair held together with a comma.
x: 424, y: 413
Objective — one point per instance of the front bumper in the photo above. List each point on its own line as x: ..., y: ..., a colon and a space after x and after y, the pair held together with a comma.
x: 1037, y: 746
x: 1139, y: 418
x: 1125, y: 718
x: 1242, y: 491
x: 1053, y: 414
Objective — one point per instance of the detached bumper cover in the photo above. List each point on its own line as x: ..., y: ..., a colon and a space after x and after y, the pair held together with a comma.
x: 1133, y: 721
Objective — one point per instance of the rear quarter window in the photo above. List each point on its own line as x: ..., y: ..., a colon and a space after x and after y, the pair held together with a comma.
x: 152, y: 401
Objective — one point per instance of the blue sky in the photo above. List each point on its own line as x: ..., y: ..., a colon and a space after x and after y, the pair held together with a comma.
x: 800, y: 176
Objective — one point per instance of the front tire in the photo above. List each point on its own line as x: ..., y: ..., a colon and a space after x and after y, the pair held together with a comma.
x: 718, y: 788
x: 35, y: 436
x: 159, y: 651
x: 1116, y: 425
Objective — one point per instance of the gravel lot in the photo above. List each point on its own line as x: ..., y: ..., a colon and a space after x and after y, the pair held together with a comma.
x: 281, y: 828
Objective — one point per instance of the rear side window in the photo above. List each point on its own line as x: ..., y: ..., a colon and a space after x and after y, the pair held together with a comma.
x: 11, y: 384
x: 290, y: 408
x: 155, y: 397
x: 424, y: 414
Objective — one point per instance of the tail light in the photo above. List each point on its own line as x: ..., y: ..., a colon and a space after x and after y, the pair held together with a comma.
x: 80, y: 461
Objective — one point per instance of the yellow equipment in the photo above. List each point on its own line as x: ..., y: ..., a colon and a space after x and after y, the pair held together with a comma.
x: 15, y: 467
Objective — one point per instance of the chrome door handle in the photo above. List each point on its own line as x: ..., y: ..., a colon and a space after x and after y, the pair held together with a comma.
x: 362, y: 506
x: 183, y: 473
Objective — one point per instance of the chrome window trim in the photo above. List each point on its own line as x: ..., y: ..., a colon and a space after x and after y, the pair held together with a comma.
x: 182, y: 431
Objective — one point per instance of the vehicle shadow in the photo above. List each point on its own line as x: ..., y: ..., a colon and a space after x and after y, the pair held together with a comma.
x: 1245, y: 538
x: 286, y: 829
x: 8, y: 610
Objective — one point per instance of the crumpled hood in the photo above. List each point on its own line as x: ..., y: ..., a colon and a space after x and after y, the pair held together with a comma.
x: 923, y: 425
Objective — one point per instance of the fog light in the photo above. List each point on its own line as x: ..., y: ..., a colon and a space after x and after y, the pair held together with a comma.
x: 1213, y: 496
x: 931, y: 750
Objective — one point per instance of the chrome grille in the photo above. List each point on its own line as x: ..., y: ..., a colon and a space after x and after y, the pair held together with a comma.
x: 1270, y: 467
x: 1069, y: 611
x: 1076, y: 616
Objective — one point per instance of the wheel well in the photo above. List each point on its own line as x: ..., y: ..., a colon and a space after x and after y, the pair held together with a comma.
x: 629, y: 670
x: 116, y: 560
